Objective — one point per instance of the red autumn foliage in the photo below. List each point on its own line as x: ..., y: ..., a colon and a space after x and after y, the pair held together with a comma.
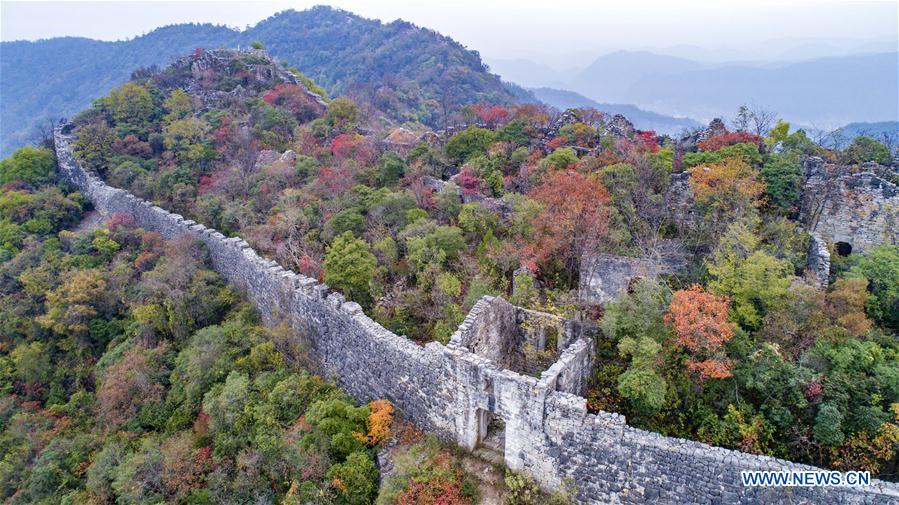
x: 436, y: 491
x: 491, y: 114
x: 556, y: 142
x: 470, y: 184
x: 145, y: 261
x: 699, y: 321
x: 646, y: 141
x: 332, y: 182
x: 118, y: 220
x: 127, y: 385
x: 814, y: 391
x: 345, y: 145
x: 424, y: 196
x: 574, y: 217
x: 308, y: 267
x: 532, y: 114
x: 712, y: 144
x: 295, y: 99
x: 221, y: 137
x: 132, y: 146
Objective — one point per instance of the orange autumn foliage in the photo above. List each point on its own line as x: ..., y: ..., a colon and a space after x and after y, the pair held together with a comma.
x: 437, y: 491
x: 730, y: 185
x: 699, y: 321
x: 380, y: 418
x: 574, y: 217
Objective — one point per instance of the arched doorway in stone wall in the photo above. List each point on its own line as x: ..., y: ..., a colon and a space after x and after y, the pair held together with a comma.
x: 491, y: 437
x: 491, y: 444
x: 843, y: 248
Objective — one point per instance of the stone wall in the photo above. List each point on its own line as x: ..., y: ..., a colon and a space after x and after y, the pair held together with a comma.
x: 849, y: 204
x: 605, y: 277
x: 449, y: 390
x: 818, y: 271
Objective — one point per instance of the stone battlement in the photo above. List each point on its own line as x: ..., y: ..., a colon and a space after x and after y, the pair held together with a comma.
x: 455, y: 391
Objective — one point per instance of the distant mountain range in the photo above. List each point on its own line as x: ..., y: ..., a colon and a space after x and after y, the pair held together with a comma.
x: 642, y: 119
x: 824, y: 92
x: 408, y: 73
x: 875, y: 130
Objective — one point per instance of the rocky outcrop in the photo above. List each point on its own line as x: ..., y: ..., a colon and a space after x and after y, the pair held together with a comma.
x: 620, y: 127
x: 454, y: 390
x: 257, y: 68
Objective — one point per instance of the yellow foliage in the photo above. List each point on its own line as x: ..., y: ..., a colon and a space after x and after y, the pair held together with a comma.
x: 380, y: 419
x: 862, y: 452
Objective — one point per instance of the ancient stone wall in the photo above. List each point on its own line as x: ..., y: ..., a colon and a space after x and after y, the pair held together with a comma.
x: 450, y: 390
x: 605, y: 277
x: 848, y: 204
x: 818, y: 271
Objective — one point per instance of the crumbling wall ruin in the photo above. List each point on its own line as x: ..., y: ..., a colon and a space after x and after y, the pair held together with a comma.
x: 852, y: 206
x: 449, y: 390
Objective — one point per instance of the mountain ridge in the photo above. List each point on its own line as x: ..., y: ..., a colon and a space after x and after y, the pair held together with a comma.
x: 412, y: 73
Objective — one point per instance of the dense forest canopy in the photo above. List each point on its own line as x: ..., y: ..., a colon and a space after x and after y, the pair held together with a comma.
x: 131, y: 373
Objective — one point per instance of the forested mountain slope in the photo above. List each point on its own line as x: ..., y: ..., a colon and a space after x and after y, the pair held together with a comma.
x: 405, y: 72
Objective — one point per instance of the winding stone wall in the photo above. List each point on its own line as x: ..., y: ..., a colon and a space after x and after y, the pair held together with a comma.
x: 449, y: 389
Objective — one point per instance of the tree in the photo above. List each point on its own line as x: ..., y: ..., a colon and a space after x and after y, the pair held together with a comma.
x: 846, y: 305
x: 560, y: 158
x: 725, y: 190
x: 355, y: 480
x: 573, y: 218
x: 828, y: 429
x: 228, y: 418
x: 31, y: 165
x: 391, y: 170
x: 72, y: 305
x: 186, y: 138
x: 438, y: 246
x: 94, y: 145
x: 337, y: 420
x: 718, y: 142
x: 864, y: 149
x: 880, y: 267
x: 699, y: 321
x: 755, y: 119
x: 754, y: 283
x: 350, y: 266
x: 378, y: 424
x: 131, y: 107
x: 342, y: 114
x: 31, y: 363
x: 178, y: 105
x: 469, y: 143
x: 641, y: 382
x: 782, y: 174
x: 129, y: 384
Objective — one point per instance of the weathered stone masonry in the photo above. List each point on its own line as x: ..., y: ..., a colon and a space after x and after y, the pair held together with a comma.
x: 858, y: 208
x: 450, y: 390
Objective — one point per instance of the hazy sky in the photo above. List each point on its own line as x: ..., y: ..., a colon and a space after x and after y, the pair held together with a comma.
x: 553, y: 32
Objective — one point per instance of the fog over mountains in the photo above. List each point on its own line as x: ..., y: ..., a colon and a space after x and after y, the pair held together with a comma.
x: 418, y: 75
x: 822, y: 92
